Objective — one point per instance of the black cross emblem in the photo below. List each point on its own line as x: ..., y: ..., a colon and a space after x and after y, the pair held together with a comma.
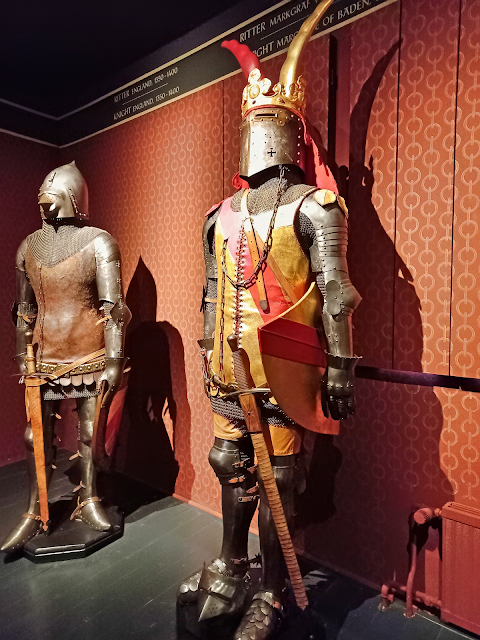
x: 271, y: 152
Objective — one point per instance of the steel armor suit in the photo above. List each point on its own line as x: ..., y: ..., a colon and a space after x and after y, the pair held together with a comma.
x: 69, y: 292
x: 276, y: 268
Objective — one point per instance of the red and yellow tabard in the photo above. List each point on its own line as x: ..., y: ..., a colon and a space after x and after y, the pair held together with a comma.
x: 238, y: 309
x: 241, y: 313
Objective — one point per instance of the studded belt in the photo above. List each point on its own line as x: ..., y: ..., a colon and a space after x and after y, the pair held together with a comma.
x: 90, y: 367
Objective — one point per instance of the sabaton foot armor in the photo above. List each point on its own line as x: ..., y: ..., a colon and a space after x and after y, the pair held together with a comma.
x: 263, y: 618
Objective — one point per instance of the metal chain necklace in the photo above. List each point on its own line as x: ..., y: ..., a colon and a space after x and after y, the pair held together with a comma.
x: 248, y: 282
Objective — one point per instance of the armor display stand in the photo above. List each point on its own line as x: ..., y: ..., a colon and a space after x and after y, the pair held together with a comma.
x: 69, y: 540
x: 70, y: 320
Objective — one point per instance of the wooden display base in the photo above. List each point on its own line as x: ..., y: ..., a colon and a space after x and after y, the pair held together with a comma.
x: 72, y: 539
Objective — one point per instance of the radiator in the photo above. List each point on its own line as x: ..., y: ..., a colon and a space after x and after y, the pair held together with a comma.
x: 461, y: 566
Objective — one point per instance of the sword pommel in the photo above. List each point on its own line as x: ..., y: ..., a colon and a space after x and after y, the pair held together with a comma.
x: 233, y: 342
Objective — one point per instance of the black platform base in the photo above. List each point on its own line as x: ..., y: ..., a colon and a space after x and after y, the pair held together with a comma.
x: 73, y: 539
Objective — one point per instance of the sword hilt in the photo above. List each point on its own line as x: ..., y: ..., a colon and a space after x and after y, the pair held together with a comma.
x: 30, y: 360
x: 241, y: 364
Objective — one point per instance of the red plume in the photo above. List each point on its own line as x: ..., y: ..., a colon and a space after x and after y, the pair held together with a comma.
x: 246, y: 58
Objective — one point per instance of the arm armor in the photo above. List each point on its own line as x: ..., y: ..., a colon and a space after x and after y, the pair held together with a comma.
x: 328, y: 257
x: 209, y: 302
x: 24, y: 311
x: 110, y: 294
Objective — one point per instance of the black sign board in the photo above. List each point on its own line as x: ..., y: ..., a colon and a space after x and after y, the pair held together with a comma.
x: 267, y: 35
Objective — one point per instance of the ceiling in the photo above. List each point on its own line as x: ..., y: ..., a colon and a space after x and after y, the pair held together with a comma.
x: 53, y: 52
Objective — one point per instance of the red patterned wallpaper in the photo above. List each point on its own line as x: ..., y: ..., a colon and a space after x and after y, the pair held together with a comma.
x: 151, y: 182
x: 466, y: 256
x: 426, y: 128
x: 412, y: 192
x: 372, y: 50
x: 23, y: 166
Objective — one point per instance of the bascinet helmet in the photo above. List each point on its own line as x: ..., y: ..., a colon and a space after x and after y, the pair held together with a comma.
x: 273, y: 126
x: 64, y: 194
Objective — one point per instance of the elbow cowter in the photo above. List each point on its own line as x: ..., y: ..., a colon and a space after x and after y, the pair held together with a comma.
x: 341, y: 296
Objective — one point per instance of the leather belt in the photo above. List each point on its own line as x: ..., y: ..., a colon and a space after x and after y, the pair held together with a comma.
x: 90, y: 367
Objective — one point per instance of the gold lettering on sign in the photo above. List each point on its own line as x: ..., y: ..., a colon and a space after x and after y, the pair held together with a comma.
x: 253, y: 31
x: 285, y: 15
x: 353, y: 8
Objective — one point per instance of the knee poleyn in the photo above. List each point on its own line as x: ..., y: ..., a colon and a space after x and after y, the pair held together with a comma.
x: 231, y: 464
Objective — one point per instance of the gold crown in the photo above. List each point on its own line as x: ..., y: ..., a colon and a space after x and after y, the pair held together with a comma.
x: 289, y: 92
x: 260, y: 93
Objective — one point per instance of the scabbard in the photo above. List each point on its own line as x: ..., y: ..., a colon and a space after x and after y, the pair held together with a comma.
x: 33, y: 403
x: 254, y: 425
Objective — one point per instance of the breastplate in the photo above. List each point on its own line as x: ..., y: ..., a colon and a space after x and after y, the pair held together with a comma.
x: 68, y: 307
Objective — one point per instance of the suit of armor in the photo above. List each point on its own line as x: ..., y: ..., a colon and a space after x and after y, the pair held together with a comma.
x: 70, y: 307
x: 277, y: 247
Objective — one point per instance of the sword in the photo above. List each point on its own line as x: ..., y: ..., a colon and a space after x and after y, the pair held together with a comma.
x: 241, y: 365
x: 33, y: 403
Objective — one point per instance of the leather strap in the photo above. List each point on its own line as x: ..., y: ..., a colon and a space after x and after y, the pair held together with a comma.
x: 27, y: 318
x: 73, y: 365
x: 98, y: 364
x: 32, y: 381
x: 31, y: 516
x: 83, y: 504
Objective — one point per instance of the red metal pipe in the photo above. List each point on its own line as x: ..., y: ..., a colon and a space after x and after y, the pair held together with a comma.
x: 418, y: 518
x: 396, y: 589
x: 413, y: 551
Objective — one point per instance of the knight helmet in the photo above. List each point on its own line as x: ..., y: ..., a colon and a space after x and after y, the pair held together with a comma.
x: 64, y: 194
x: 273, y: 129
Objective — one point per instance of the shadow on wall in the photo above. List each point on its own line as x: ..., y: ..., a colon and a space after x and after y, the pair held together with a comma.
x: 155, y: 409
x: 354, y: 512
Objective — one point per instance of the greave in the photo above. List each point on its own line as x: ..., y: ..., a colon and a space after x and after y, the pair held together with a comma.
x: 30, y: 523
x: 233, y: 464
x: 232, y: 461
x: 273, y: 564
x: 89, y: 508
x: 263, y: 618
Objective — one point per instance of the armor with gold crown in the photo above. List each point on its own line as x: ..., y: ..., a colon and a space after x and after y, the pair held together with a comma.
x: 278, y: 293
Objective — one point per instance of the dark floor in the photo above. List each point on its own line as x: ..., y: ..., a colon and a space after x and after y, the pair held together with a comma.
x: 127, y: 590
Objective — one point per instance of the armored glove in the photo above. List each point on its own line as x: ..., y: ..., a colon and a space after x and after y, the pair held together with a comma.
x: 338, y: 387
